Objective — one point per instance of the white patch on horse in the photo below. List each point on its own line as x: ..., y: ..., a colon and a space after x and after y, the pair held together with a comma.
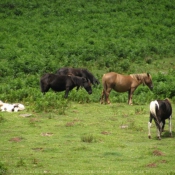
x: 11, y: 107
x: 152, y: 107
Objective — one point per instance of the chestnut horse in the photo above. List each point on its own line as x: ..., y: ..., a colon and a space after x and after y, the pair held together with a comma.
x: 123, y: 83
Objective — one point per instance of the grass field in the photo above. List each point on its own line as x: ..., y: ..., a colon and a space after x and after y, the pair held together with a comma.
x: 88, y: 139
x: 84, y: 137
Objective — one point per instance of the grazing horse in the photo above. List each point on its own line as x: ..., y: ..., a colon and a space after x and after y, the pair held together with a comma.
x: 80, y: 72
x: 160, y: 110
x: 123, y: 83
x: 63, y: 83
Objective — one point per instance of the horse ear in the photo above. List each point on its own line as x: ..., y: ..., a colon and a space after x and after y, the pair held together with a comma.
x: 84, y: 79
x: 148, y: 74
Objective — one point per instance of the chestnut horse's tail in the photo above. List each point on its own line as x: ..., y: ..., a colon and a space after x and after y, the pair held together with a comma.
x: 104, y: 89
x: 104, y: 83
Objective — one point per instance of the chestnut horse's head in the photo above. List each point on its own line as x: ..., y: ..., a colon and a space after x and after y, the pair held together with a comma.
x: 148, y: 81
x: 144, y: 78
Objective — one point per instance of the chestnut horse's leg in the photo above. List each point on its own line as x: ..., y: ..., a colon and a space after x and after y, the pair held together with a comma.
x: 107, y: 95
x: 130, y: 93
x: 129, y: 97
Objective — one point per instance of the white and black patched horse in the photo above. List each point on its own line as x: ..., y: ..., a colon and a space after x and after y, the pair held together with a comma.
x: 160, y: 110
x: 15, y: 107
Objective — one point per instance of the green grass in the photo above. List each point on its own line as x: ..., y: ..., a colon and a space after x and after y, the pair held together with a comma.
x: 84, y: 137
x: 88, y: 139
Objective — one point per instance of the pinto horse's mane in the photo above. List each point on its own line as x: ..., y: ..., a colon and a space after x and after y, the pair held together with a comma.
x: 168, y: 100
x: 141, y: 76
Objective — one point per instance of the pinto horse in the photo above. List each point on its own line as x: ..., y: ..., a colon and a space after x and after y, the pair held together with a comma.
x: 160, y: 110
x: 123, y: 83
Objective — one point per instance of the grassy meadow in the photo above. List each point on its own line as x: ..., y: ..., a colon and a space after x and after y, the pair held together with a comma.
x: 87, y: 139
x: 78, y: 135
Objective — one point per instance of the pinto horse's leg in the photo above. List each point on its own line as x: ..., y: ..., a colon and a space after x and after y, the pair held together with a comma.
x: 170, y: 126
x: 149, y: 126
x: 163, y: 125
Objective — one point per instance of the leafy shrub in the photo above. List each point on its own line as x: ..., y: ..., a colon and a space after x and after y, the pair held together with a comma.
x: 88, y: 138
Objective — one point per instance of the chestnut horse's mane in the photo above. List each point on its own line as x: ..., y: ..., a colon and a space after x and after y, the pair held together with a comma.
x: 140, y: 77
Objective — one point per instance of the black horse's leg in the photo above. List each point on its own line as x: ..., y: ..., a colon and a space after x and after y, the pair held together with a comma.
x: 66, y: 93
x: 78, y: 88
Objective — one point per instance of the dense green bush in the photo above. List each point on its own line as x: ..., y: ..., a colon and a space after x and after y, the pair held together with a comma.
x: 42, y: 36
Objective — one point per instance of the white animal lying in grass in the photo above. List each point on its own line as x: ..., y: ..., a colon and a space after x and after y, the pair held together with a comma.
x: 11, y: 107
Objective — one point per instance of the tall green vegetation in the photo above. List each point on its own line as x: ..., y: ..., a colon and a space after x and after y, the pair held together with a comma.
x: 42, y: 36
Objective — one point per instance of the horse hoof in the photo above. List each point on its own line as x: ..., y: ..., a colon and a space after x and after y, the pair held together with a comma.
x: 149, y: 137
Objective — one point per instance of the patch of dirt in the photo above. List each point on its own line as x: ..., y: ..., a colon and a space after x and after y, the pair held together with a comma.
x: 47, y: 134
x: 68, y: 124
x: 157, y: 153
x: 15, y: 139
x: 72, y: 123
x: 75, y: 111
x: 76, y: 120
x: 163, y: 161
x: 37, y: 149
x: 33, y: 120
x: 105, y: 132
x: 151, y: 165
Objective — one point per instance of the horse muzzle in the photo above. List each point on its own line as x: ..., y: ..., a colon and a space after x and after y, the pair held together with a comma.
x: 89, y: 92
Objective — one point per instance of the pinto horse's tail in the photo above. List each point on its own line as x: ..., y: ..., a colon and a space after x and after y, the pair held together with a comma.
x: 154, y: 106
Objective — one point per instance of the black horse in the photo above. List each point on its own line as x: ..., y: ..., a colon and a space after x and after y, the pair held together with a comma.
x: 80, y: 72
x: 63, y: 83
